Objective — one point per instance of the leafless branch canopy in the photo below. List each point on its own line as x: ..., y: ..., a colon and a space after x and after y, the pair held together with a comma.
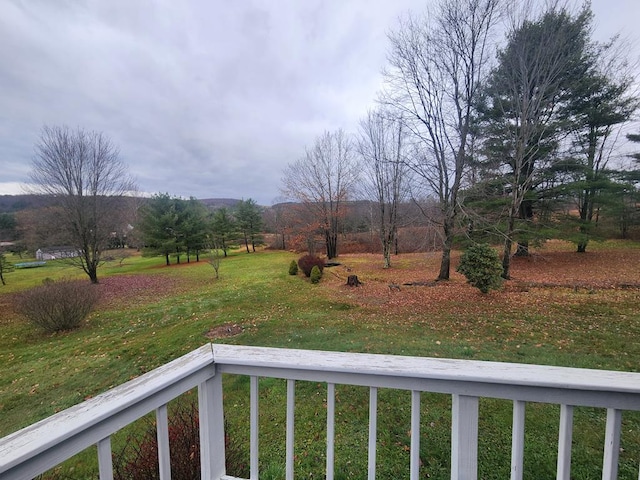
x: 83, y: 171
x: 322, y: 181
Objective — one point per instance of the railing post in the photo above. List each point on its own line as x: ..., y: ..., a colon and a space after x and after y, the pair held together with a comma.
x: 414, y: 464
x: 211, y: 413
x: 105, y: 461
x: 517, y: 440
x: 611, y: 444
x: 162, y: 432
x: 331, y: 414
x: 565, y: 436
x: 373, y: 429
x: 254, y: 434
x: 464, y: 438
x: 290, y: 435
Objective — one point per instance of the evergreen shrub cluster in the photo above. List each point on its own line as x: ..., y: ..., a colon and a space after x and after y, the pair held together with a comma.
x: 293, y: 268
x: 481, y: 265
x: 307, y: 262
x: 316, y: 274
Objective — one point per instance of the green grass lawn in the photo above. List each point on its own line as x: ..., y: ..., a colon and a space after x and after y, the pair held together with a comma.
x: 42, y: 374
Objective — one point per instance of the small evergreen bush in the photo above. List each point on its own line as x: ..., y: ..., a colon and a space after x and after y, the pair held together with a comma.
x: 58, y: 306
x: 481, y: 265
x: 293, y: 268
x: 307, y: 262
x: 316, y: 274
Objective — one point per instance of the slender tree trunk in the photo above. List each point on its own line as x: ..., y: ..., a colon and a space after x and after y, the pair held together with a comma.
x: 93, y: 275
x: 445, y: 262
x: 506, y: 255
x: 526, y: 214
x: 332, y: 245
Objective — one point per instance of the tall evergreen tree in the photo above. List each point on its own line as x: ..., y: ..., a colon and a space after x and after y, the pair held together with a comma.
x: 535, y: 74
x: 173, y: 226
x: 249, y: 221
x: 223, y: 229
x: 599, y: 104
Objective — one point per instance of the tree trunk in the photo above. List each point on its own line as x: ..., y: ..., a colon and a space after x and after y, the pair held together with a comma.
x: 522, y: 249
x: 506, y: 259
x: 445, y: 262
x: 93, y: 275
x: 332, y: 244
x: 352, y: 281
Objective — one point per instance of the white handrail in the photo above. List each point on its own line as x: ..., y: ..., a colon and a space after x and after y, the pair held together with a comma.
x: 43, y: 445
x: 39, y: 447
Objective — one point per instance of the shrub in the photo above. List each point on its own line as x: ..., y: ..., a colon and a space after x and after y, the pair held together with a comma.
x: 307, y: 262
x: 316, y: 274
x: 138, y: 460
x: 481, y: 265
x: 58, y: 306
x: 293, y: 268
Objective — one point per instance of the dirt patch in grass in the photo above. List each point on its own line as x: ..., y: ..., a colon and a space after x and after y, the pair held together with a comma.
x: 223, y: 331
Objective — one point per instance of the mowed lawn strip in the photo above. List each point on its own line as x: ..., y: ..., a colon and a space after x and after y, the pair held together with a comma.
x: 561, y: 309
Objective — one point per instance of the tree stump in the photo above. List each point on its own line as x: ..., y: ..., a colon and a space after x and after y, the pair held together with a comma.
x: 352, y: 281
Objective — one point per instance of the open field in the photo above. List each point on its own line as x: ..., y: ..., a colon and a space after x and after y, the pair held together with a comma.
x: 561, y: 308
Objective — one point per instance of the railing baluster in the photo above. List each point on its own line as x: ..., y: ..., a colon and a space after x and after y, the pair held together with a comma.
x: 464, y: 438
x: 517, y: 440
x: 290, y: 427
x: 162, y: 432
x: 611, y: 444
x: 331, y: 415
x: 210, y: 408
x: 253, y: 420
x: 105, y: 461
x: 565, y: 436
x: 373, y: 428
x: 414, y: 467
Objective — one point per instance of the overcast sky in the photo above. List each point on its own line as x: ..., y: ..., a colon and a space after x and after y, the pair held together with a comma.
x: 203, y: 98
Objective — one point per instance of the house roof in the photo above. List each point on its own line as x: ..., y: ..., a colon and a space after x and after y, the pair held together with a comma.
x: 65, y: 248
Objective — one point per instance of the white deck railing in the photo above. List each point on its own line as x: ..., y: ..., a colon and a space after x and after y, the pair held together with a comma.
x: 42, y: 446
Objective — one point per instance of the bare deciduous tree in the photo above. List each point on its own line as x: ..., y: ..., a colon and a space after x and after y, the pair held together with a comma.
x: 321, y: 182
x: 437, y: 64
x: 83, y: 171
x: 381, y: 146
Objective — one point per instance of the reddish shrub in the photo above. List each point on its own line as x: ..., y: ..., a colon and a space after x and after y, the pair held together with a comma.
x: 138, y: 460
x: 307, y: 263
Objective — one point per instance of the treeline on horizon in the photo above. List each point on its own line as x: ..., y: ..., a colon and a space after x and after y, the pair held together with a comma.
x: 496, y: 124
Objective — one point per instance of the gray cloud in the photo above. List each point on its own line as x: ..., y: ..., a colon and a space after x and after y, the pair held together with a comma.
x: 210, y: 99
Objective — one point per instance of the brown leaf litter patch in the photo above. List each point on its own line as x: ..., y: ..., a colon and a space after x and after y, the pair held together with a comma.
x: 406, y: 287
x: 123, y: 289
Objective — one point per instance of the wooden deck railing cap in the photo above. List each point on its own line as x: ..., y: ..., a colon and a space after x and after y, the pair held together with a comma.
x: 503, y: 373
